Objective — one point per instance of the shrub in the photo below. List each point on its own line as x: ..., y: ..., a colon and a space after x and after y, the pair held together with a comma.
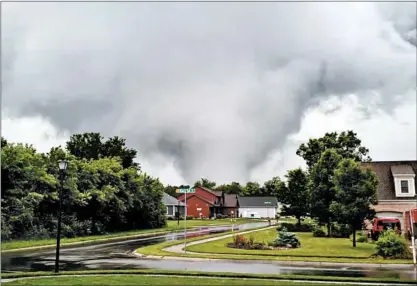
x: 304, y: 227
x: 170, y: 218
x: 391, y: 245
x: 362, y: 238
x: 239, y: 240
x: 318, y: 232
x: 286, y: 239
x: 341, y: 231
x: 190, y: 217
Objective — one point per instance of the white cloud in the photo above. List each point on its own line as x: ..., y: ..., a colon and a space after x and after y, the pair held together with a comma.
x: 35, y: 130
x: 388, y: 137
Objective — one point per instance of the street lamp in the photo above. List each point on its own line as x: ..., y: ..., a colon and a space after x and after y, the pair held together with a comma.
x: 62, y: 164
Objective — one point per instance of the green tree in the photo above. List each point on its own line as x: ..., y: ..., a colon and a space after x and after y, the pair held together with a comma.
x: 171, y: 190
x: 252, y: 189
x: 355, y: 193
x: 321, y: 187
x: 275, y: 188
x: 206, y: 183
x: 296, y: 196
x: 346, y: 144
x: 91, y: 146
x: 232, y: 188
x: 100, y: 193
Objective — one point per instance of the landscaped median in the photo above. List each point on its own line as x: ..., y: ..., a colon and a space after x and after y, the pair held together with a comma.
x: 313, y: 249
x: 167, y: 277
x: 21, y: 245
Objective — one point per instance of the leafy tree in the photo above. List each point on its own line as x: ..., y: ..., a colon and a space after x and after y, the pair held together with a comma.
x: 346, y: 144
x: 252, y: 189
x: 3, y: 142
x: 101, y: 192
x: 275, y: 188
x: 232, y: 188
x: 321, y: 187
x: 206, y: 183
x: 172, y: 191
x: 296, y: 196
x: 91, y: 146
x: 355, y: 192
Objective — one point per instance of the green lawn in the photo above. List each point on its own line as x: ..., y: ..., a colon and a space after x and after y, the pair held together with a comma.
x: 150, y: 280
x: 171, y: 226
x: 310, y: 246
x: 122, y: 276
x: 313, y: 249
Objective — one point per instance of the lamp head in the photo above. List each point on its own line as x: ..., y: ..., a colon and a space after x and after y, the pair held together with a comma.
x: 62, y: 164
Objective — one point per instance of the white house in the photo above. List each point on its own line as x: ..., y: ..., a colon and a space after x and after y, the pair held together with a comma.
x: 258, y: 207
x: 173, y: 205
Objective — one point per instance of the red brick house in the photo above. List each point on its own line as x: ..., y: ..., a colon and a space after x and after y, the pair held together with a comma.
x: 397, y: 187
x: 209, y: 203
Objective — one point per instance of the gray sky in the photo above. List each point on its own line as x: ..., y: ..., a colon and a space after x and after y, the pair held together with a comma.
x: 218, y: 90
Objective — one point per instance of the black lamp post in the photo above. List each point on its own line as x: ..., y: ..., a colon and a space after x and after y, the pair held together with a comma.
x: 62, y: 164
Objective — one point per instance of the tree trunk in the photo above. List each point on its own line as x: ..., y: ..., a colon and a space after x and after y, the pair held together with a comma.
x: 354, y: 236
x: 329, y: 229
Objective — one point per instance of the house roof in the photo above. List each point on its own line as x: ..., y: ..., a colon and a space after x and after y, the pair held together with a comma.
x: 258, y: 201
x: 170, y: 200
x: 216, y: 193
x: 384, y: 170
x: 189, y: 196
x: 230, y: 201
x: 402, y: 170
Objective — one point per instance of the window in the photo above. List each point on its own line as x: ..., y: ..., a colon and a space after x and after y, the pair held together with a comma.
x: 404, y: 186
x: 167, y: 211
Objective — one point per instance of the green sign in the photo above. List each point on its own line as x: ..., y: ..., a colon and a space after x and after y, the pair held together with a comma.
x: 185, y: 191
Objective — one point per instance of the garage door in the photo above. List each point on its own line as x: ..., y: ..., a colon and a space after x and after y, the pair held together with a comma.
x: 392, y: 215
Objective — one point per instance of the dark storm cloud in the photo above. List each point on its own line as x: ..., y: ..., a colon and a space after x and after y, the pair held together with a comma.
x: 213, y: 86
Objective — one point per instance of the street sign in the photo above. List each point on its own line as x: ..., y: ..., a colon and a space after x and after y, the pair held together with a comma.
x: 185, y: 190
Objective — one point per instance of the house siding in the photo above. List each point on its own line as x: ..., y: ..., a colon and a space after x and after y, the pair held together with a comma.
x: 268, y: 212
x: 194, y: 203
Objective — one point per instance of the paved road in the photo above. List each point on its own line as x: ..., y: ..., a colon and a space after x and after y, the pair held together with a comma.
x: 119, y: 256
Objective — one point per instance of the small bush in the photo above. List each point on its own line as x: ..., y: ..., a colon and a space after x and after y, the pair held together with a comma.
x: 170, y: 218
x: 190, y: 217
x: 286, y: 239
x: 361, y: 238
x: 318, y: 232
x: 304, y: 227
x: 239, y: 240
x: 391, y: 245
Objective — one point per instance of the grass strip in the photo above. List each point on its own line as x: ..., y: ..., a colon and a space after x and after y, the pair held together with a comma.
x: 209, y: 274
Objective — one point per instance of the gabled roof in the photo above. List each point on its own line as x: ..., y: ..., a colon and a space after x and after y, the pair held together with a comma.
x: 402, y: 170
x: 189, y: 196
x: 384, y: 170
x: 170, y: 200
x: 230, y: 201
x: 216, y: 193
x: 258, y: 202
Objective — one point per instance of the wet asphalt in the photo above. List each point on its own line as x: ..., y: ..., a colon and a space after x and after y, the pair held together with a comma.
x: 118, y: 255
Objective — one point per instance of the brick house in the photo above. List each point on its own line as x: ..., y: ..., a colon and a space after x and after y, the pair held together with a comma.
x: 397, y: 187
x: 209, y: 203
